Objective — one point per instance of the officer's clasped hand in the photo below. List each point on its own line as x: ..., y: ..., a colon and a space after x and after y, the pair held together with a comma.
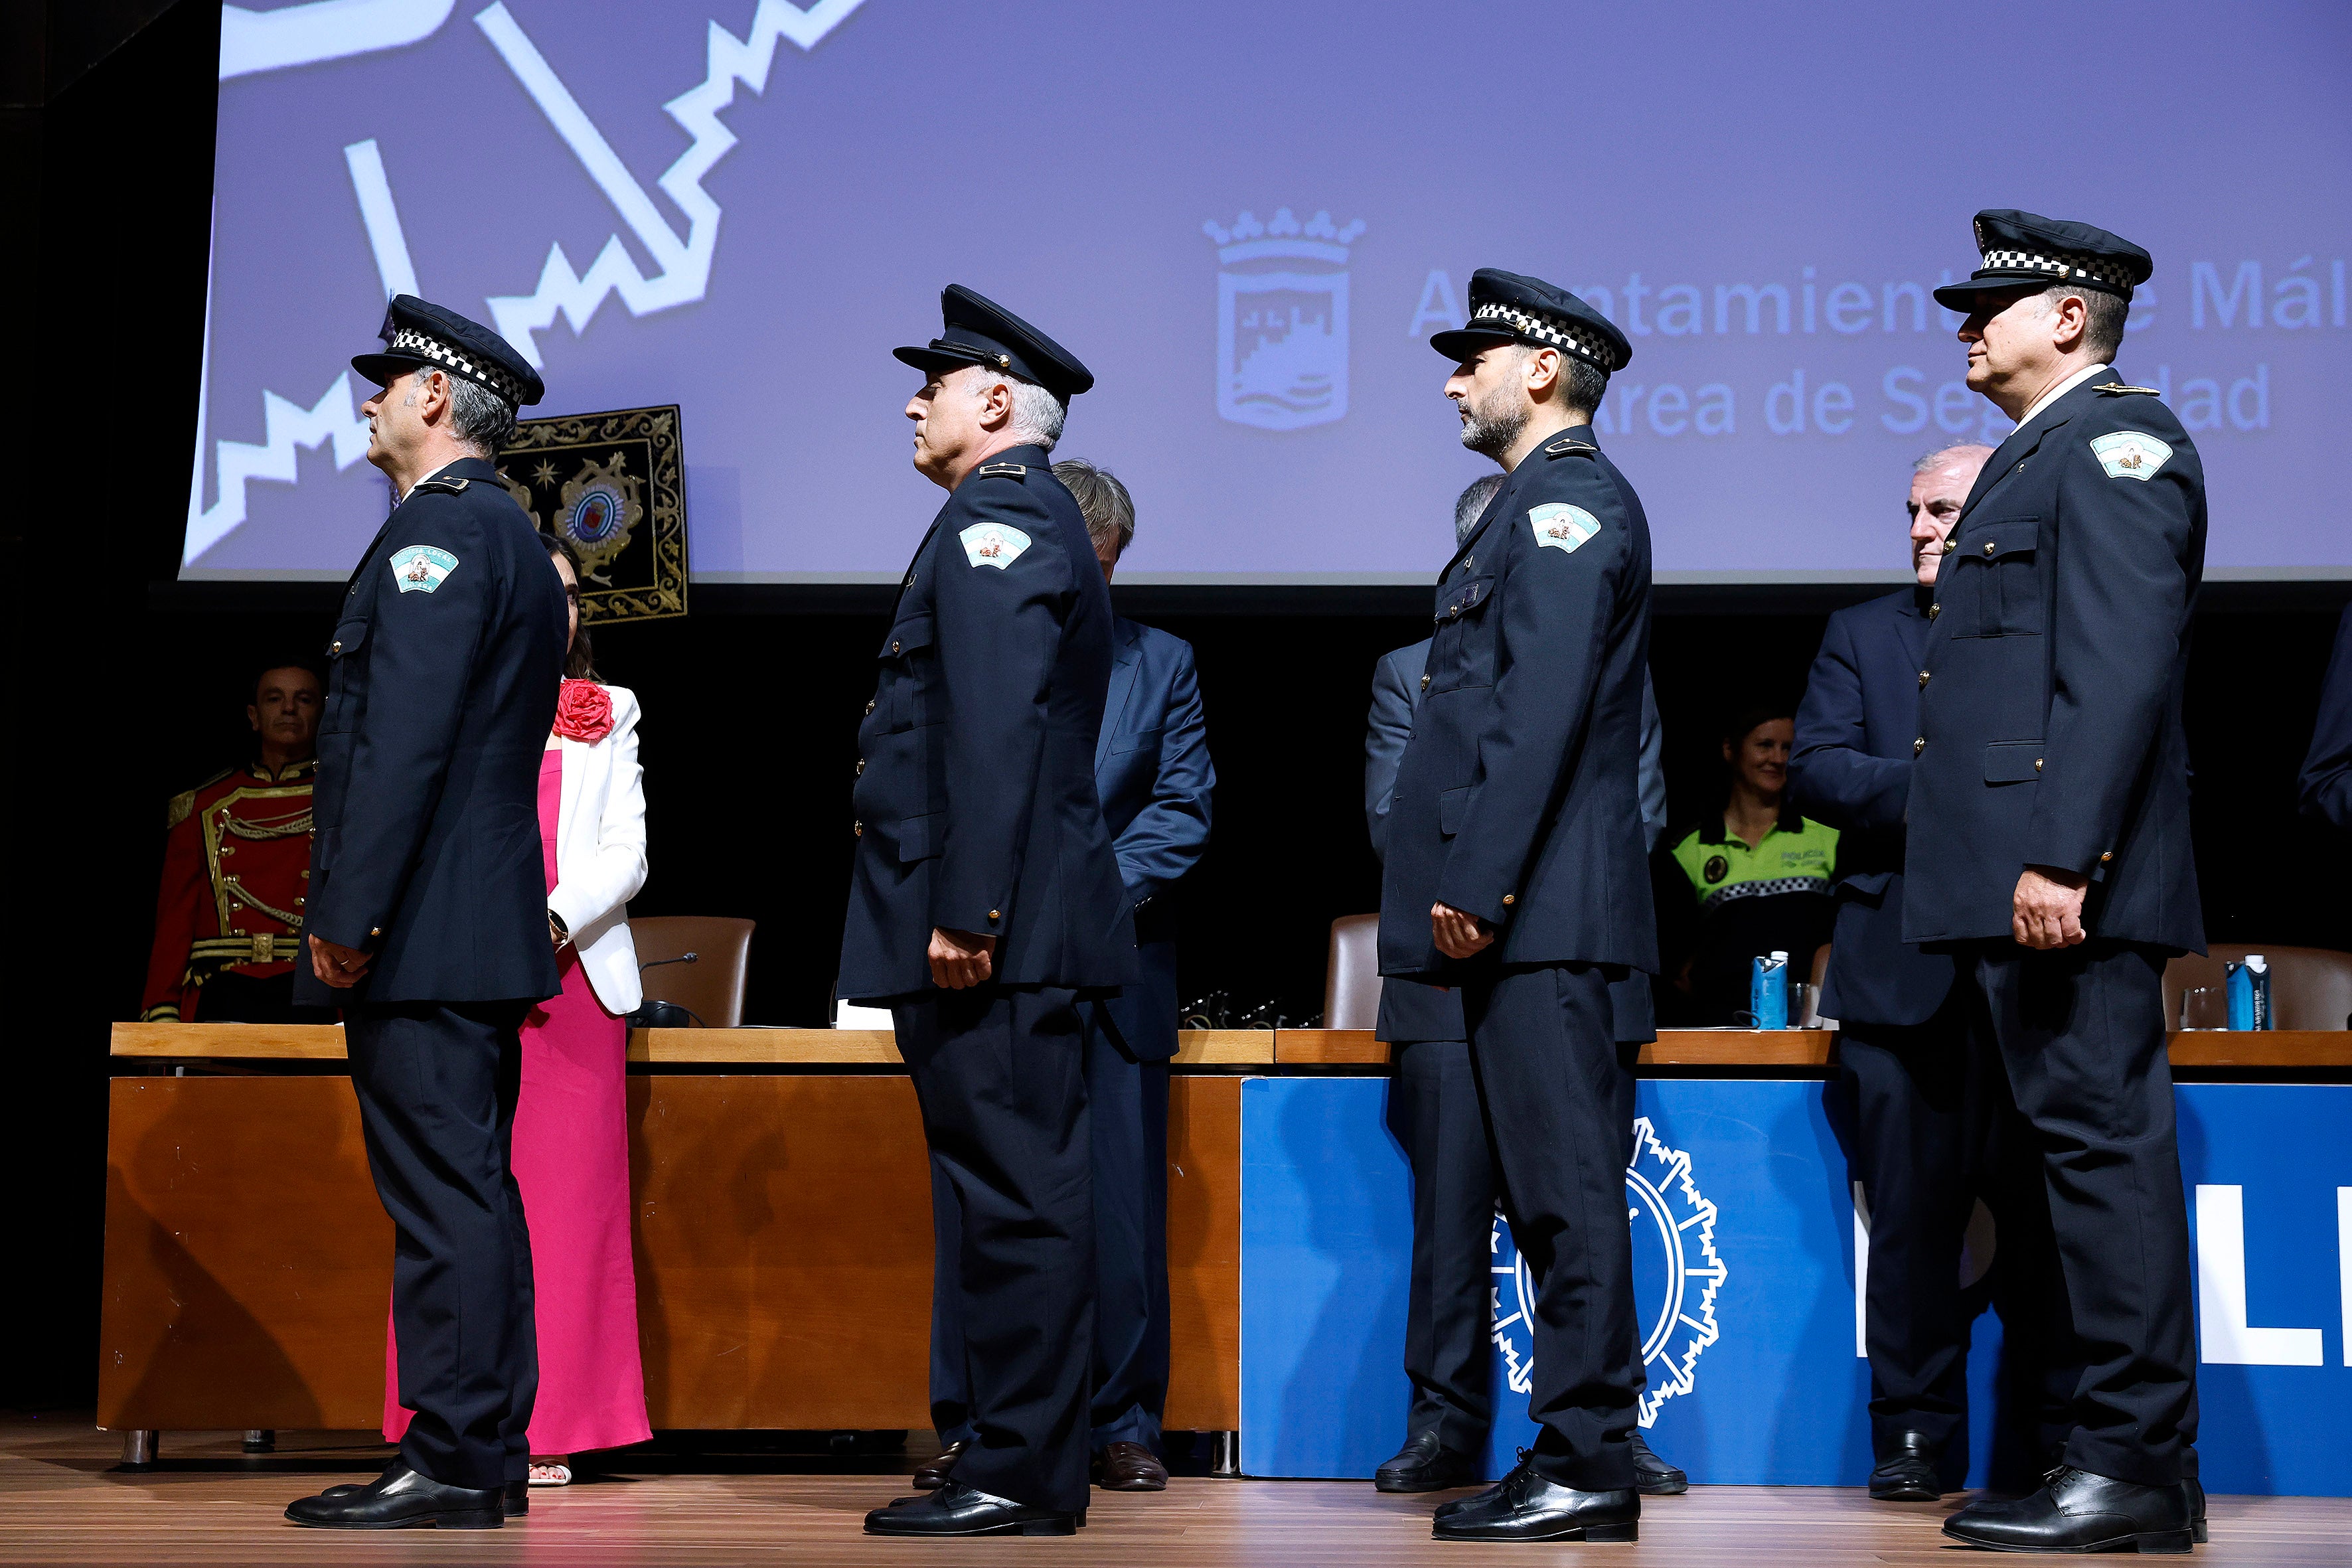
x: 1459, y: 933
x: 960, y: 959
x: 342, y: 967
x: 2047, y: 910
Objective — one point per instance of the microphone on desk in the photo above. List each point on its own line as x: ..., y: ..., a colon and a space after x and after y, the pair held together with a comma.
x: 658, y: 1015
x: 657, y: 962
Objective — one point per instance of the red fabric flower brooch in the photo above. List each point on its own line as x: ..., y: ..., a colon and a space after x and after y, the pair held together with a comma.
x: 584, y: 711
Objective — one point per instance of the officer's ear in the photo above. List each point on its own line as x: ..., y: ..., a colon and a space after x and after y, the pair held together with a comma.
x: 2070, y: 318
x: 996, y: 404
x: 1545, y: 374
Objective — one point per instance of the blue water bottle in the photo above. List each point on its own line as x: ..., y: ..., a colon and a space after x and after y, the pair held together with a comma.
x: 2249, y: 987
x: 1768, y: 992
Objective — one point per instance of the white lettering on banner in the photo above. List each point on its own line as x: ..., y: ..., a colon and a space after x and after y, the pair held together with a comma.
x: 2344, y: 1263
x: 2225, y: 1339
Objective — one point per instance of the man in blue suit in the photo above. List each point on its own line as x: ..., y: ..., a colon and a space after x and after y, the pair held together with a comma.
x: 2051, y: 762
x: 1516, y: 870
x: 1434, y: 1111
x: 1154, y: 777
x: 1924, y: 1118
x: 986, y: 906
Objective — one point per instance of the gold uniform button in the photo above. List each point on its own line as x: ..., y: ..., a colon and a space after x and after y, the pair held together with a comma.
x: 297, y: 900
x: 1990, y: 547
x: 375, y: 930
x: 228, y: 850
x: 306, y: 873
x: 1935, y: 610
x: 2108, y: 857
x: 336, y: 645
x: 861, y: 767
x: 857, y: 830
x: 1425, y: 683
x: 1509, y: 898
x: 870, y: 708
x: 994, y: 916
x: 894, y: 647
x: 2037, y: 764
x: 1918, y: 745
x: 1923, y: 678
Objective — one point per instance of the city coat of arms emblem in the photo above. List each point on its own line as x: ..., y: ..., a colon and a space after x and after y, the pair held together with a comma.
x: 1282, y: 320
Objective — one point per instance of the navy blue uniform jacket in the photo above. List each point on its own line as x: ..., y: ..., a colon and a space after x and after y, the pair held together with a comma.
x: 975, y: 795
x: 1517, y: 800
x: 443, y: 676
x: 2056, y: 652
x: 2327, y: 769
x: 1154, y: 774
x: 1851, y: 768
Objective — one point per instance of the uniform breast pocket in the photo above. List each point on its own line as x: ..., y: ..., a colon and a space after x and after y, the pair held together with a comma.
x: 2004, y: 557
x: 1462, y: 649
x: 908, y: 672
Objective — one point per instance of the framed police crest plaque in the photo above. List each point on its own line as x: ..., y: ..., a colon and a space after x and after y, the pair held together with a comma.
x: 614, y: 486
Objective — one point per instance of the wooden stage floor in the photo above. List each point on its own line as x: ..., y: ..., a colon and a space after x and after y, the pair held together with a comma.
x: 61, y: 1503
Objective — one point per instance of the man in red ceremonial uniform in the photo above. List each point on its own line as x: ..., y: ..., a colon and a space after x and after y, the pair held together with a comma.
x: 236, y: 868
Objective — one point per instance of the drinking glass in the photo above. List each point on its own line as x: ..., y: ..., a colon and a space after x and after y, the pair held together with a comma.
x: 2205, y: 1007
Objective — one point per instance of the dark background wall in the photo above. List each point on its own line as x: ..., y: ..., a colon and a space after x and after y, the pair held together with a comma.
x: 123, y: 686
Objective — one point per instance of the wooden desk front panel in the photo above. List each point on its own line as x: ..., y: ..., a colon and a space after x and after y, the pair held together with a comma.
x: 783, y: 1244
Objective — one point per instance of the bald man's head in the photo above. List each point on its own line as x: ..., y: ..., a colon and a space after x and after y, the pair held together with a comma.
x: 1940, y: 483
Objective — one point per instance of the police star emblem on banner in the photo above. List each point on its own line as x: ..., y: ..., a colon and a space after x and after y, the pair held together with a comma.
x: 612, y: 486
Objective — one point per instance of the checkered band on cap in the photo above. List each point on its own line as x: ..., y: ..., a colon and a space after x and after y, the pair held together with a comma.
x: 448, y: 356
x: 1573, y: 336
x: 2062, y: 266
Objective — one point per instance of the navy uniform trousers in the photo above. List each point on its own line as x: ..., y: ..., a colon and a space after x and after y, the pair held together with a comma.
x: 1127, y: 1150
x: 999, y: 1072
x: 436, y: 1084
x: 2079, y: 1035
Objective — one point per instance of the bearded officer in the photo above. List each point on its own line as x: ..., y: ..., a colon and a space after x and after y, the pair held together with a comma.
x: 427, y: 915
x: 2052, y: 761
x: 1515, y: 870
x: 985, y: 902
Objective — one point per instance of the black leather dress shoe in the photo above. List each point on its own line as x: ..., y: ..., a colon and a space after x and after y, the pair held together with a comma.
x: 518, y: 1498
x: 934, y: 1476
x: 2193, y: 1494
x: 959, y: 1509
x: 2078, y: 1512
x: 1425, y: 1465
x: 1129, y: 1467
x: 1911, y: 1471
x: 402, y: 1498
x: 1523, y: 1506
x: 1652, y: 1477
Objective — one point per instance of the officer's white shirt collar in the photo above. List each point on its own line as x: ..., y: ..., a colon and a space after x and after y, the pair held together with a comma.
x: 2061, y: 390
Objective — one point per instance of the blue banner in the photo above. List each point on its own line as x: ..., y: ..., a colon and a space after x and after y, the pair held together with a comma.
x: 1747, y: 1251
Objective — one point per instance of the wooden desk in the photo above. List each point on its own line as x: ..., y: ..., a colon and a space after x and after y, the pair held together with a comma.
x: 782, y: 1220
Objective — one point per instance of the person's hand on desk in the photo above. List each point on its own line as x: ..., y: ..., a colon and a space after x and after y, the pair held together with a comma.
x: 342, y: 967
x: 1459, y: 933
x: 960, y: 959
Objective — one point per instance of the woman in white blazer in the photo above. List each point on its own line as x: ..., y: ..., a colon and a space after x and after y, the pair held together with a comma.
x: 570, y: 1152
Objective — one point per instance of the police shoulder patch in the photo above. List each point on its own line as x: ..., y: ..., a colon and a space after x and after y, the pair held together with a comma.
x: 997, y: 545
x: 1560, y: 526
x: 2130, y: 454
x: 421, y: 568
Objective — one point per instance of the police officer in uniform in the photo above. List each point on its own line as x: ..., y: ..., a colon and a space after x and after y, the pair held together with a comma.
x: 1516, y: 872
x: 428, y: 921
x: 2052, y: 765
x: 1434, y: 1111
x: 1156, y: 782
x: 986, y: 906
x: 2327, y: 781
x: 1929, y: 1129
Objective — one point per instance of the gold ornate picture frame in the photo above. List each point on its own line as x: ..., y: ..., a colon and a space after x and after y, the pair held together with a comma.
x: 614, y: 485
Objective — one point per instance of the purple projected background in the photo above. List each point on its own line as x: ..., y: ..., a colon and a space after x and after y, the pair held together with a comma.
x: 1758, y: 195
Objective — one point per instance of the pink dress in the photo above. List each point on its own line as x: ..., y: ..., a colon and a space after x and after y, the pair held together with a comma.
x: 571, y: 1161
